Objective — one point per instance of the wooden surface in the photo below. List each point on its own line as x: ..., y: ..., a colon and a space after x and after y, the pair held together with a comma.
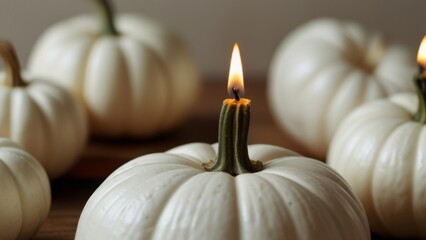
x: 100, y: 158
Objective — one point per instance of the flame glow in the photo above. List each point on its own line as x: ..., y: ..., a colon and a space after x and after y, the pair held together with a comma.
x: 236, y: 79
x: 421, y: 54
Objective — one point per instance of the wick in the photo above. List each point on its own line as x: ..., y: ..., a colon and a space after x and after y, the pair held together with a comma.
x: 235, y: 91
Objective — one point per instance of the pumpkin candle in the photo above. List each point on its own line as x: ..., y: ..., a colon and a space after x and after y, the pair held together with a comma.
x: 212, y: 192
x: 234, y: 123
x: 420, y: 83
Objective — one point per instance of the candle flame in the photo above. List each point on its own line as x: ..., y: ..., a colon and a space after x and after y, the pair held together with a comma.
x: 421, y: 54
x: 236, y: 79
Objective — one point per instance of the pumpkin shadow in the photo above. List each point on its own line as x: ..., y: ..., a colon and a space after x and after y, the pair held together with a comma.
x: 103, y: 156
x: 196, y: 129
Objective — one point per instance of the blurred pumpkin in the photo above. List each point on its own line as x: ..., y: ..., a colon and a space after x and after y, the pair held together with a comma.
x: 44, y: 118
x: 380, y: 150
x: 25, y: 192
x: 135, y: 77
x: 326, y: 68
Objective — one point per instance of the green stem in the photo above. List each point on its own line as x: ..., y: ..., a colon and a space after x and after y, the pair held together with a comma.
x: 420, y: 83
x: 106, y: 14
x: 11, y: 63
x: 232, y: 154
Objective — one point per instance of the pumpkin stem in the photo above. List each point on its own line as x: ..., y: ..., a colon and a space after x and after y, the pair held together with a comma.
x: 232, y: 154
x: 106, y: 14
x: 11, y: 63
x: 420, y: 82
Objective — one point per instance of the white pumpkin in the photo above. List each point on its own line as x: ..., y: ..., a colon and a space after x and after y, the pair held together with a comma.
x: 136, y: 79
x: 24, y: 192
x: 380, y: 150
x: 326, y: 68
x: 171, y: 196
x: 44, y: 118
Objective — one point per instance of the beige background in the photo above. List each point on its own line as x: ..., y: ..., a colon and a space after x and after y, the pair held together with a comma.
x: 211, y: 27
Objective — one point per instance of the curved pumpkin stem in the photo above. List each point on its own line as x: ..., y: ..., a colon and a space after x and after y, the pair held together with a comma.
x: 106, y: 14
x: 232, y: 154
x: 420, y: 83
x: 13, y: 69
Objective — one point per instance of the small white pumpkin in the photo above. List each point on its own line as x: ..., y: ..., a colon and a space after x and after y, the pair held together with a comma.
x: 136, y: 79
x: 24, y: 192
x: 326, y: 68
x: 44, y: 118
x: 380, y: 150
x: 171, y: 196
